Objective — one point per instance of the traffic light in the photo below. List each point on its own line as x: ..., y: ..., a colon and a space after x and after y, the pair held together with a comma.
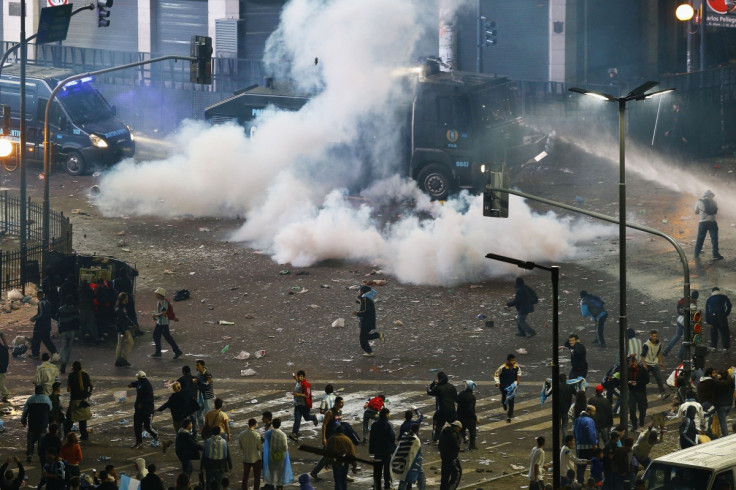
x: 696, y: 325
x: 496, y: 203
x: 491, y: 32
x: 103, y: 13
x: 200, y: 70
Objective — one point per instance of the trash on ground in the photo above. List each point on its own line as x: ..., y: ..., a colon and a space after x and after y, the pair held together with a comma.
x: 398, y: 323
x: 284, y: 272
x: 247, y: 372
x: 339, y: 323
x: 243, y: 355
x: 225, y: 349
x: 521, y: 350
x: 120, y: 396
x: 260, y: 353
x: 225, y: 322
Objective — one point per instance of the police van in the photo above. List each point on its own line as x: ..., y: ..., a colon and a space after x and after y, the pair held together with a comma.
x: 84, y: 129
x: 708, y: 466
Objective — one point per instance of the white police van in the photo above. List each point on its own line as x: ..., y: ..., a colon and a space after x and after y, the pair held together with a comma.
x: 83, y: 127
x: 708, y: 466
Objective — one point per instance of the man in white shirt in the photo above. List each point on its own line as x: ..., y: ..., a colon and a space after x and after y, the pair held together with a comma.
x: 536, y: 465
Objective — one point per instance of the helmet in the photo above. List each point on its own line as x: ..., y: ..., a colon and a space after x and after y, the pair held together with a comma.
x: 468, y: 385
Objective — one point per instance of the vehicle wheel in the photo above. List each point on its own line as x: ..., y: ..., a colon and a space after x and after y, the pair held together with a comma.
x: 435, y: 181
x: 74, y: 163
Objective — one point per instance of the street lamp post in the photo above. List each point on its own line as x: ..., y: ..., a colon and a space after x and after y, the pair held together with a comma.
x: 555, y: 271
x: 639, y: 93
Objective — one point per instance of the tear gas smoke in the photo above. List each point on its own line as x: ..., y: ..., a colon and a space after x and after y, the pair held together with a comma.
x: 292, y: 178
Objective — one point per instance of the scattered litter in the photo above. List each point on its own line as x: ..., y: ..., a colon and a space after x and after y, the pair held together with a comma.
x: 243, y: 355
x: 225, y: 349
x: 339, y: 323
x: 325, y: 286
x: 15, y: 295
x: 120, y: 396
x: 314, y: 307
x: 145, y: 435
x: 254, y: 401
x: 260, y: 353
x: 247, y: 372
x: 521, y: 350
x: 480, y: 316
x: 517, y: 467
x: 399, y: 323
x: 103, y: 458
x: 78, y: 211
x: 225, y: 322
x: 304, y: 290
x: 284, y: 272
x: 155, y: 443
x: 205, y: 230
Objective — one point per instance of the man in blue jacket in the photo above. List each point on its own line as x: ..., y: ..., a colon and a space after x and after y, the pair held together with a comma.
x: 592, y: 306
x: 524, y: 301
x: 586, y: 439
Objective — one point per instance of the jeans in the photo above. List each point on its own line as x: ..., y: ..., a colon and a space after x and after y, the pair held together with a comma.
x: 365, y: 336
x: 214, y: 479
x: 421, y: 482
x: 141, y: 420
x: 720, y: 326
x: 637, y: 399
x: 163, y: 331
x: 299, y: 412
x: 340, y: 475
x: 256, y: 467
x: 205, y: 405
x: 722, y: 411
x: 679, y: 332
x: 523, y: 326
x: 508, y: 405
x: 42, y: 335
x: 451, y: 473
x: 469, y: 426
x: 656, y: 372
x: 88, y: 324
x: 601, y: 323
x: 703, y: 228
x: 65, y: 339
x: 187, y: 466
x: 368, y: 415
x: 31, y: 439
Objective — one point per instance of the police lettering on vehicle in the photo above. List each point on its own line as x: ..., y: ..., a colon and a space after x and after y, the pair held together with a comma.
x: 256, y: 112
x: 117, y: 132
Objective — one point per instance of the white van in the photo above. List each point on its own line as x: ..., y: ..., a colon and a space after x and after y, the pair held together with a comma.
x: 708, y: 466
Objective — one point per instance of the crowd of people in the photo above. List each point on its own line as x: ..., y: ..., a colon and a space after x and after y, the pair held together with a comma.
x: 596, y: 452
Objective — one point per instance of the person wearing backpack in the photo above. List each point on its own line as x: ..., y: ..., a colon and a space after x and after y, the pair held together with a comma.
x: 163, y: 314
x: 524, y: 301
x: 707, y: 208
x: 592, y: 306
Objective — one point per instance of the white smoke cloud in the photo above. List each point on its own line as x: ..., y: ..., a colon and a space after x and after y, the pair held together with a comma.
x: 295, y: 180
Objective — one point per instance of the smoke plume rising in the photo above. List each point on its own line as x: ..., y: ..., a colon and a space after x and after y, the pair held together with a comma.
x: 310, y: 183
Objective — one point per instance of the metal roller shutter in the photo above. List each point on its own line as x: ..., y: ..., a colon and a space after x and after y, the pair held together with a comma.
x: 176, y: 21
x: 120, y: 35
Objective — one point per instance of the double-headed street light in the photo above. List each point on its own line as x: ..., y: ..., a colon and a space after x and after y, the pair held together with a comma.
x: 639, y: 93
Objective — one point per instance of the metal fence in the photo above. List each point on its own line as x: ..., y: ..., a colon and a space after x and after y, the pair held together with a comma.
x: 60, y: 239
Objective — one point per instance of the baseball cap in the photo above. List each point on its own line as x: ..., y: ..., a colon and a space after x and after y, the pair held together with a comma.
x: 599, y: 388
